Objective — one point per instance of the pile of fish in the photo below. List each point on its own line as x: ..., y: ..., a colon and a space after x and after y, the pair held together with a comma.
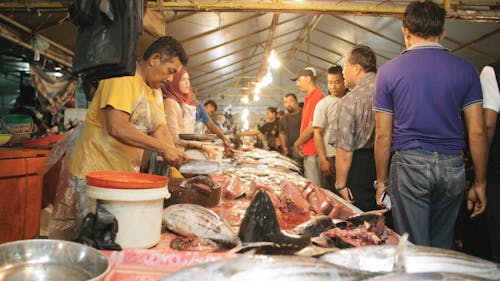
x: 359, y: 230
x: 205, y: 230
x: 267, y: 158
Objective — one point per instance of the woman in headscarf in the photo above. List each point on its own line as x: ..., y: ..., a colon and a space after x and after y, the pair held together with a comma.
x: 181, y: 108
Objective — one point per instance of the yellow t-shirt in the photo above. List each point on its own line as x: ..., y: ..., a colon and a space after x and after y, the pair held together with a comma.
x: 96, y: 149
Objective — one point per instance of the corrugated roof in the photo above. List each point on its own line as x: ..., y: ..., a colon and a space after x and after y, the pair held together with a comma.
x: 229, y: 42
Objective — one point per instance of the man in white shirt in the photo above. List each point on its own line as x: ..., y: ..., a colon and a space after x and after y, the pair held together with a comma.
x: 490, y: 78
x: 324, y: 115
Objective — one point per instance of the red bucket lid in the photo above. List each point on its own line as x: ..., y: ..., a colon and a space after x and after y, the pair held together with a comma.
x: 125, y: 180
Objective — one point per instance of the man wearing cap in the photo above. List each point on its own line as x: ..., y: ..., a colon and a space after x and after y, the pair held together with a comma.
x: 353, y: 130
x: 304, y: 145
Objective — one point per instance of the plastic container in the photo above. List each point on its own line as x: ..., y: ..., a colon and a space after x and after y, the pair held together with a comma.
x: 17, y: 124
x: 136, y: 200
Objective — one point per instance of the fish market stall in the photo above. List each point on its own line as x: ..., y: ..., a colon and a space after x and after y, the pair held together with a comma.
x: 255, y: 202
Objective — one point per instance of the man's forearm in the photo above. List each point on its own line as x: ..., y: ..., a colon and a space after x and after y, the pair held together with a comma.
x: 343, y: 161
x: 478, y: 143
x: 319, y: 143
x: 283, y: 139
x: 382, y: 149
x: 305, y: 135
x: 479, y: 154
x: 249, y: 133
x: 119, y: 127
x: 490, y: 118
x: 214, y: 129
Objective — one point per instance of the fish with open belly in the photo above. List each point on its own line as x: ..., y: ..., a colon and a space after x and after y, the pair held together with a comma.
x: 264, y: 268
x: 197, y: 221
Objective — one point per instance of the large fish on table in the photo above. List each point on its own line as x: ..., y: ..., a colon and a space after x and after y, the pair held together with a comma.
x: 416, y: 259
x: 268, y: 268
x: 191, y: 220
x: 260, y: 224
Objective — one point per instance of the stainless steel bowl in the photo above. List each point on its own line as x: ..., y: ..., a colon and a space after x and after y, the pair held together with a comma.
x: 52, y: 260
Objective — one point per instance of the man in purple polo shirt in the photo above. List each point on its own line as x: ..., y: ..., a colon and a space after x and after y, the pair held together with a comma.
x: 419, y: 97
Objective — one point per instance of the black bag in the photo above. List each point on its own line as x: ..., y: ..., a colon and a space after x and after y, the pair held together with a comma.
x: 106, y: 45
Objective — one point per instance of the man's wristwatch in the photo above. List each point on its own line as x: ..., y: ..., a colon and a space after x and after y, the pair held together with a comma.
x: 378, y: 185
x: 340, y: 187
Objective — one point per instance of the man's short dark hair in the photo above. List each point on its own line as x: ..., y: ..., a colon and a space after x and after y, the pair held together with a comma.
x: 292, y: 95
x: 335, y: 69
x: 424, y: 19
x: 364, y: 56
x: 272, y: 109
x: 168, y: 48
x: 212, y: 103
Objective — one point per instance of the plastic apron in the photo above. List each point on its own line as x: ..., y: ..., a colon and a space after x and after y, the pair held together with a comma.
x: 96, y: 150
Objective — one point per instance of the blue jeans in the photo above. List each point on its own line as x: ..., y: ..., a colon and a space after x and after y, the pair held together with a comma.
x: 426, y: 190
x: 312, y: 170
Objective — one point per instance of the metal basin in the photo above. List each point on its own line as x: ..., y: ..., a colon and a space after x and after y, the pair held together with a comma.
x: 52, y: 260
x: 416, y: 259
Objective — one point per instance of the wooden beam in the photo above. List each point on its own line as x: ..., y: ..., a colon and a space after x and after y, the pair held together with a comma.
x: 239, y: 38
x: 269, y: 45
x: 206, y: 83
x: 198, y: 66
x: 348, y: 42
x: 469, y: 11
x: 218, y: 29
x: 378, y: 34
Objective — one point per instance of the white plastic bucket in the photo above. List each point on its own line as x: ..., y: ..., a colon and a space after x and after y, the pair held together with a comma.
x: 138, y: 212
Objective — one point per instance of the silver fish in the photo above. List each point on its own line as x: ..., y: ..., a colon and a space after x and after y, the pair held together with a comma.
x: 418, y: 259
x: 197, y: 221
x: 264, y: 268
x: 430, y: 276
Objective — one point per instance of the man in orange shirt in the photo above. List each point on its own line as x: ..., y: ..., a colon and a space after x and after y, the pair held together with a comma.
x: 304, y: 145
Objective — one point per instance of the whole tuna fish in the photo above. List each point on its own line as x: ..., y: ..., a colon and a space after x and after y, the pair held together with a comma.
x: 417, y: 259
x: 264, y: 268
x: 197, y: 221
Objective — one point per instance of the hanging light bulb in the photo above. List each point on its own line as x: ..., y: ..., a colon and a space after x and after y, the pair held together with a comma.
x: 244, y: 114
x: 268, y: 78
x: 245, y: 99
x: 273, y: 60
x: 257, y: 90
x: 256, y: 98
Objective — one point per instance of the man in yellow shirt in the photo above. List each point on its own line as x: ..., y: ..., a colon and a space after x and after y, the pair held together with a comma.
x: 125, y: 117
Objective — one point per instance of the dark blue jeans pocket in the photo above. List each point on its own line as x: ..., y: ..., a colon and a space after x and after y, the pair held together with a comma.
x: 456, y: 181
x: 413, y: 179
